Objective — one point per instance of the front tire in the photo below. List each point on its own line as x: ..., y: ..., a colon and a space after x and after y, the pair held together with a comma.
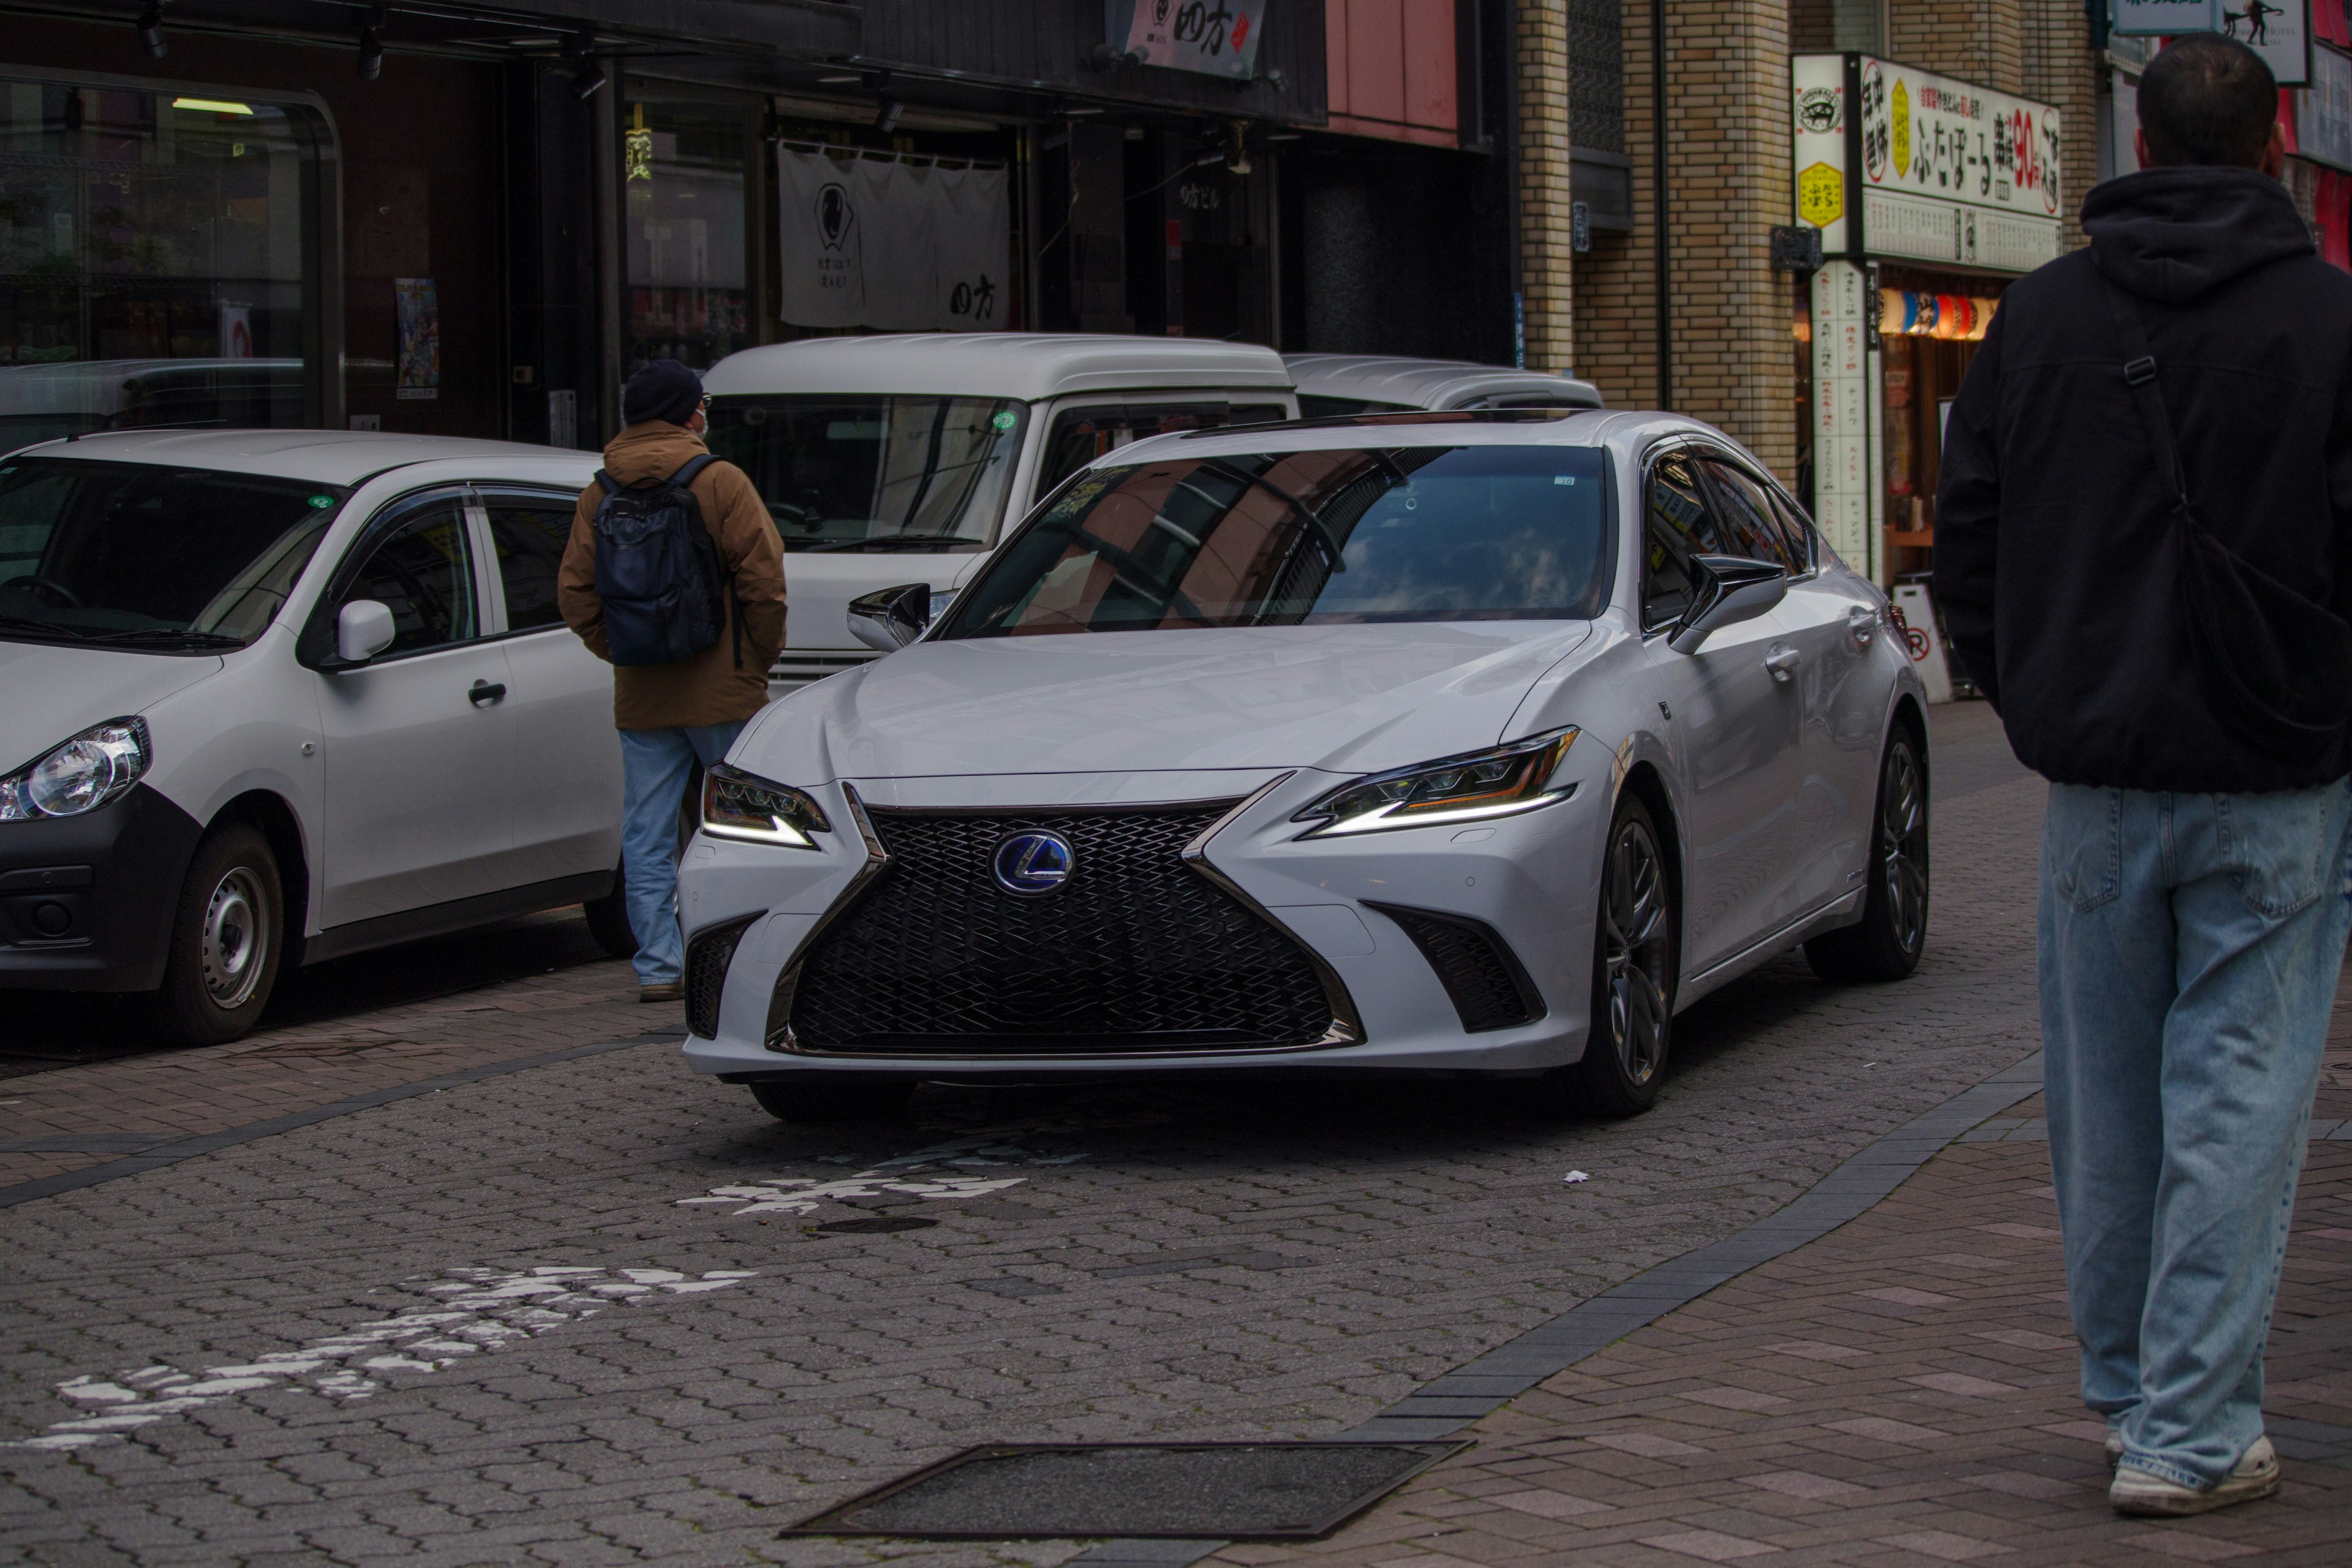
x: 608, y: 920
x: 228, y: 938
x: 1893, y: 932
x: 1633, y: 971
x: 816, y: 1103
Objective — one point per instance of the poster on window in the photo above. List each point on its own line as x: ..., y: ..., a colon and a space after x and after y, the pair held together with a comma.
x: 898, y: 244
x: 419, y: 369
x: 1216, y: 37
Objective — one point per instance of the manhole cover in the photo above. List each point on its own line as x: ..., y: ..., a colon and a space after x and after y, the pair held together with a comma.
x: 1248, y: 1491
x: 881, y: 1227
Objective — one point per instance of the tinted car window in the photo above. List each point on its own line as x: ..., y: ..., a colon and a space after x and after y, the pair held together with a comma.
x: 1678, y: 525
x: 139, y: 551
x: 1748, y: 526
x: 1407, y: 533
x: 1796, y: 528
x: 530, y: 537
x: 872, y: 473
x: 421, y: 571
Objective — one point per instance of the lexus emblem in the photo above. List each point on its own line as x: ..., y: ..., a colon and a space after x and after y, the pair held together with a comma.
x: 1035, y: 862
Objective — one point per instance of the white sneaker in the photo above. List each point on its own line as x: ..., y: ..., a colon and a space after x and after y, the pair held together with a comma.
x: 2115, y: 1447
x: 2256, y: 1476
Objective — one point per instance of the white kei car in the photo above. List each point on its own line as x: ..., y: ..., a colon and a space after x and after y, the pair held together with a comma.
x: 1417, y: 742
x: 273, y: 696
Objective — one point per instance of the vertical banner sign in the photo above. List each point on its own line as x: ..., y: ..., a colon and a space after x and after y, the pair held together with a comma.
x: 418, y: 371
x: 1215, y: 36
x: 1818, y: 140
x: 2280, y: 32
x: 2322, y: 116
x: 2164, y: 18
x: 888, y: 242
x: 1843, y: 490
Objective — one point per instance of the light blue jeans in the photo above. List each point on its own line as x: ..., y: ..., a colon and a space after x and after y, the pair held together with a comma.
x: 2189, y: 949
x: 655, y: 766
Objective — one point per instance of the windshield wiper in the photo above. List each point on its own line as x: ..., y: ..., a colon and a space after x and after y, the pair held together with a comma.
x: 890, y: 542
x: 44, y: 629
x: 184, y: 636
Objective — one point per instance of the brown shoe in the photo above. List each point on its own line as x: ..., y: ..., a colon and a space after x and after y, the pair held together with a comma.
x: 669, y: 991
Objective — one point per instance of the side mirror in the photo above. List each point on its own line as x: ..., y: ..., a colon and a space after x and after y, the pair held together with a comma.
x: 889, y: 620
x: 363, y: 629
x: 1733, y: 589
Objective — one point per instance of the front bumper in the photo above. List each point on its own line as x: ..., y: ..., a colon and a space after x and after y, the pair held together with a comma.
x: 86, y: 902
x: 1532, y: 879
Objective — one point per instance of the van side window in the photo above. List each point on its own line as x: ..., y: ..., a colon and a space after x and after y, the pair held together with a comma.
x: 1082, y: 434
x: 422, y: 570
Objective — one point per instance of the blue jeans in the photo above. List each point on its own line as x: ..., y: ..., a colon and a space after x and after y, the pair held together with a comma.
x: 2189, y: 949
x: 655, y: 766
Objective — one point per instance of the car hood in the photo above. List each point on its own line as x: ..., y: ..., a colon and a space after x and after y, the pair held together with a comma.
x: 1348, y: 697
x: 51, y: 692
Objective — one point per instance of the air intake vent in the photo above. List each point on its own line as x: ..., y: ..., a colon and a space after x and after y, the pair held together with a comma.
x: 707, y: 958
x: 1484, y: 977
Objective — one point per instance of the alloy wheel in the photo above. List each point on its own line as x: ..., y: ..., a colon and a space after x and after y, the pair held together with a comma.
x: 1635, y: 949
x: 1903, y: 848
x: 236, y: 939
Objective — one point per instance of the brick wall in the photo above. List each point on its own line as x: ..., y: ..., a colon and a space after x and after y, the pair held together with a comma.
x: 1981, y: 41
x: 1547, y: 277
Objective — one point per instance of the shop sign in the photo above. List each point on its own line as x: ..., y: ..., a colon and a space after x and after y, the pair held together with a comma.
x: 899, y: 244
x: 2278, y: 30
x: 2165, y: 18
x: 1218, y: 38
x: 1895, y: 161
x: 2323, y: 112
x: 1844, y: 449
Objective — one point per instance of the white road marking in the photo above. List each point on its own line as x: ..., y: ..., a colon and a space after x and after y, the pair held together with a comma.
x: 906, y: 1173
x: 481, y: 1310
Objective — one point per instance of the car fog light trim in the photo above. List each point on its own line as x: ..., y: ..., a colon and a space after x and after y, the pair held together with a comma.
x: 753, y: 810
x: 1475, y: 787
x: 78, y: 776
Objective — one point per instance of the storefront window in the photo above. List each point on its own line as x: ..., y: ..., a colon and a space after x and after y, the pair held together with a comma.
x: 682, y: 175
x: 158, y: 261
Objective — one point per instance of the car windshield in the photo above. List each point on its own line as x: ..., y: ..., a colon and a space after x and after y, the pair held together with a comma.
x: 1405, y: 534
x: 875, y: 473
x: 145, y: 556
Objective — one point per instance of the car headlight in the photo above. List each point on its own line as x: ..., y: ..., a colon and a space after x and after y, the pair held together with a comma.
x: 85, y: 773
x: 1469, y: 788
x: 737, y: 804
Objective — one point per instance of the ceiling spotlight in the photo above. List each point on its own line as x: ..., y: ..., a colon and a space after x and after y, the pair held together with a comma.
x: 886, y: 120
x: 150, y: 32
x: 370, y: 44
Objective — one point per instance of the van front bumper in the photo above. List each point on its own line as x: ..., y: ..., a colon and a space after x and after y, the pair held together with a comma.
x: 86, y: 902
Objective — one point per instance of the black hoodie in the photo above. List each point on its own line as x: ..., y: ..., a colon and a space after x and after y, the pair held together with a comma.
x: 2054, y: 558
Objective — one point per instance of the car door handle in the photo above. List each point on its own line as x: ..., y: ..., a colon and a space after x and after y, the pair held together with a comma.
x: 1862, y: 625
x: 484, y: 691
x: 1782, y: 661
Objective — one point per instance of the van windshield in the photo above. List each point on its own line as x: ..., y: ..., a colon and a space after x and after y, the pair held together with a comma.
x: 1287, y: 539
x: 140, y: 555
x: 875, y: 473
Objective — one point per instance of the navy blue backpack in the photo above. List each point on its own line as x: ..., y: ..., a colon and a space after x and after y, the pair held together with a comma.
x: 657, y: 570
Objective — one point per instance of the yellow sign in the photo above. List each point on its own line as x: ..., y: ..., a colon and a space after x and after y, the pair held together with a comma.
x: 1821, y: 195
x: 1900, y: 113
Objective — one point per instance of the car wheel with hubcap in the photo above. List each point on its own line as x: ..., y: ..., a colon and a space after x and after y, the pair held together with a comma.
x: 1886, y: 944
x: 1633, y: 971
x: 813, y: 1102
x: 228, y: 938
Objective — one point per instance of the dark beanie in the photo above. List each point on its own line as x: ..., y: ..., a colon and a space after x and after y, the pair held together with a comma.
x: 664, y: 390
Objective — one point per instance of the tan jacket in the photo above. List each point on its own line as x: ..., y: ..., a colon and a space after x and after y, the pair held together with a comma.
x: 709, y: 687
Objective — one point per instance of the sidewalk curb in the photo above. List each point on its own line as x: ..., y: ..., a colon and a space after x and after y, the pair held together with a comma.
x: 1446, y: 1404
x: 172, y: 1151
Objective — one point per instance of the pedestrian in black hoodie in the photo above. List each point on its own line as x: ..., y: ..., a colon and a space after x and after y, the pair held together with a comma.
x: 2141, y: 554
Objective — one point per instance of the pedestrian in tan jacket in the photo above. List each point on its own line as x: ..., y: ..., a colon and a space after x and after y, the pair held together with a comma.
x: 675, y: 716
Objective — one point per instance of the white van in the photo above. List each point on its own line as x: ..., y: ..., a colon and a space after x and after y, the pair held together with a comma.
x: 889, y: 460
x: 273, y: 696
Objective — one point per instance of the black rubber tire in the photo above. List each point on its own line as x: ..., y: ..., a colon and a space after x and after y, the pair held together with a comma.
x: 1633, y: 1027
x: 608, y: 920
x: 213, y: 993
x: 815, y: 1104
x: 1886, y: 942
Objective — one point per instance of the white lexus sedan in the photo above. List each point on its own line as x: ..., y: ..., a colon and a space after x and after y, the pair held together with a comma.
x: 1433, y: 742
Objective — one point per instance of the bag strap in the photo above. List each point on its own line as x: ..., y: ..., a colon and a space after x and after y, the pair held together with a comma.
x: 606, y: 480
x: 687, y: 470
x: 2148, y: 394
